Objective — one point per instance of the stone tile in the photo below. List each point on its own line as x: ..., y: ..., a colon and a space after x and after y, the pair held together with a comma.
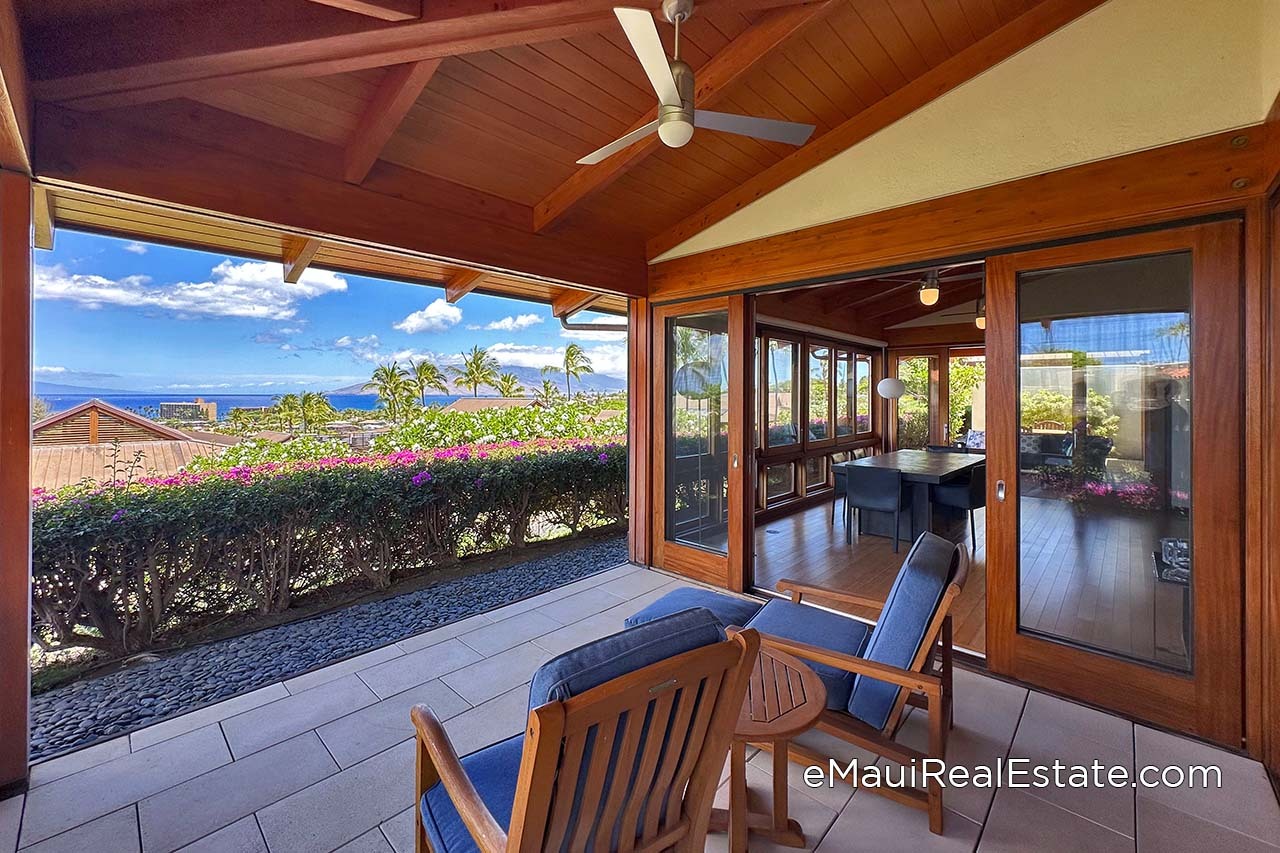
x: 444, y: 632
x: 355, y: 737
x: 342, y: 807
x: 495, y: 720
x: 207, y: 803
x: 988, y: 707
x: 834, y: 797
x: 500, y: 636
x: 1096, y: 725
x: 1165, y: 830
x: 1020, y: 822
x: 636, y: 583
x: 814, y: 818
x: 1245, y: 802
x: 569, y: 637
x: 396, y: 676
x: 280, y: 720
x: 10, y: 822
x: 115, y: 832
x: 490, y: 677
x: 334, y: 671
x: 551, y: 596
x: 372, y: 841
x: 399, y: 831
x: 73, y: 762
x: 871, y: 823
x: 243, y: 836
x: 152, y: 735
x: 571, y: 608
x: 92, y: 793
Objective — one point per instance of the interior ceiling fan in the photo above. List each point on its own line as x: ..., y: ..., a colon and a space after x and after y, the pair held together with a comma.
x: 673, y: 81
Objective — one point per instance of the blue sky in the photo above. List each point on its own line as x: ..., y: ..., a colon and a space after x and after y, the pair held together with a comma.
x: 112, y: 313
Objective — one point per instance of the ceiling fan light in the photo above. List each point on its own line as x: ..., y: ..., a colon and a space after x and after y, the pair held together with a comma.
x: 980, y: 317
x: 929, y: 293
x: 675, y: 133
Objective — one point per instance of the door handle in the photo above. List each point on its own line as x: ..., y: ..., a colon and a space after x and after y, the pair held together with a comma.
x: 1000, y: 490
x: 735, y: 460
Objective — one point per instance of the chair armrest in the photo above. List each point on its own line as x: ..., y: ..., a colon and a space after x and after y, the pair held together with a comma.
x: 488, y: 835
x: 928, y: 684
x: 798, y: 590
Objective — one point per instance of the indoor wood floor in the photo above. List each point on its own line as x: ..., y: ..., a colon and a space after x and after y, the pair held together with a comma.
x: 1085, y: 578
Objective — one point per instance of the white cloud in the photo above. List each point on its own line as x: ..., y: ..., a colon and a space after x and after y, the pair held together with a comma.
x: 369, y: 348
x: 436, y: 317
x: 247, y: 289
x: 590, y: 335
x: 510, y: 324
x: 136, y: 247
x: 608, y: 359
x: 48, y: 370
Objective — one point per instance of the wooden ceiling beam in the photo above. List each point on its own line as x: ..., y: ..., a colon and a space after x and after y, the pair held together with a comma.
x: 85, y: 149
x: 1022, y: 31
x: 145, y: 57
x: 298, y: 254
x: 42, y: 217
x: 566, y: 303
x: 15, y: 98
x: 396, y: 94
x: 713, y: 80
x: 383, y: 10
x: 461, y: 283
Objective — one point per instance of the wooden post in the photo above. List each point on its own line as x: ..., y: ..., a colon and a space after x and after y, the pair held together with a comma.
x: 15, y: 474
x: 639, y: 433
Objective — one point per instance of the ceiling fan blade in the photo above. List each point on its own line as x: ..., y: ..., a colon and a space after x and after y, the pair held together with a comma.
x: 642, y: 32
x: 759, y: 128
x: 618, y: 144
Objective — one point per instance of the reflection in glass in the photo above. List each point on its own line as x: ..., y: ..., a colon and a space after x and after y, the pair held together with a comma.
x: 819, y: 393
x: 815, y: 472
x: 913, y: 406
x: 697, y: 465
x: 779, y: 482
x: 862, y: 393
x: 1105, y: 457
x: 780, y: 395
x: 844, y: 394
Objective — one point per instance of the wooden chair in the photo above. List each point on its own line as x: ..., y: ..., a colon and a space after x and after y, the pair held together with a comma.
x: 593, y: 770
x: 906, y: 659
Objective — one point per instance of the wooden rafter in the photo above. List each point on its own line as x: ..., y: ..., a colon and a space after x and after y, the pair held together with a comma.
x: 1022, y: 31
x: 15, y: 100
x: 461, y: 283
x: 41, y: 217
x: 566, y: 303
x: 137, y: 59
x: 385, y: 10
x: 298, y: 254
x: 398, y: 92
x: 713, y: 80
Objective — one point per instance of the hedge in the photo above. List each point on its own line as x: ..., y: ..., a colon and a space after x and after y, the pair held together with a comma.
x: 133, y: 566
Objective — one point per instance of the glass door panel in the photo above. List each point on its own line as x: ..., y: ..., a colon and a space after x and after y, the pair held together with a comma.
x: 915, y: 407
x: 966, y: 400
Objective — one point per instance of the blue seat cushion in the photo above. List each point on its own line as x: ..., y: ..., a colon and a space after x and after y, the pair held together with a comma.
x: 900, y: 631
x: 805, y: 624
x: 495, y: 772
x: 729, y: 609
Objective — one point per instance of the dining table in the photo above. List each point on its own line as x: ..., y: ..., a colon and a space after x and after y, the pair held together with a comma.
x: 920, y: 470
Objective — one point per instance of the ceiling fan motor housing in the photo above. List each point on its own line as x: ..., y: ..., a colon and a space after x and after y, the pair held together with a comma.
x: 675, y: 123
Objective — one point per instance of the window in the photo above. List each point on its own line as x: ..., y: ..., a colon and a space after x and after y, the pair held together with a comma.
x: 815, y: 472
x: 844, y: 394
x: 780, y: 394
x: 779, y: 483
x: 862, y: 394
x: 819, y: 393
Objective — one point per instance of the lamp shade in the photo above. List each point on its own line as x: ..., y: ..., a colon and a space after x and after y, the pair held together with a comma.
x: 890, y: 388
x: 929, y: 293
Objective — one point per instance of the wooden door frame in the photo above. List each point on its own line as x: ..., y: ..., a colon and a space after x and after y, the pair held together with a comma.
x: 731, y: 570
x: 1209, y: 704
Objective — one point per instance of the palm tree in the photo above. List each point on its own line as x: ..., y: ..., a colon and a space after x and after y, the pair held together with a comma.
x: 425, y: 377
x: 287, y: 408
x: 548, y: 394
x: 478, y: 368
x: 393, y: 387
x: 576, y: 364
x: 508, y: 385
x: 315, y: 409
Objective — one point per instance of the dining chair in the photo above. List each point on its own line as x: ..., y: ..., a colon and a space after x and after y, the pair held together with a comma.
x: 856, y: 453
x: 623, y: 748
x: 875, y: 490
x: 968, y: 493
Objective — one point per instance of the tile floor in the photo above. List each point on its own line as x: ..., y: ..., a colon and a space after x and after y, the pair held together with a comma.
x: 324, y: 761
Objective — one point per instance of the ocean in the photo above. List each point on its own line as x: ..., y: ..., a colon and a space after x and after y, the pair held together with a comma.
x: 149, y: 404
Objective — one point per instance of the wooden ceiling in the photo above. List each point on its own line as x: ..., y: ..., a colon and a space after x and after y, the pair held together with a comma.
x: 485, y: 112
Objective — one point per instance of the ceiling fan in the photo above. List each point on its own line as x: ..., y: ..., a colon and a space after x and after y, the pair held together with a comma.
x: 673, y: 81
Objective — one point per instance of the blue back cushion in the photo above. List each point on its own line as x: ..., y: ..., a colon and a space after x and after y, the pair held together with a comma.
x: 908, y: 610
x: 805, y: 624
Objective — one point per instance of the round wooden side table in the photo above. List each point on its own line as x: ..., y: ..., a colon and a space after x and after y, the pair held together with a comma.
x: 784, y: 698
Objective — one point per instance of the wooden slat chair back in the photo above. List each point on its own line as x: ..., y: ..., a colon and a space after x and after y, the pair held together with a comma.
x: 925, y: 682
x: 630, y: 765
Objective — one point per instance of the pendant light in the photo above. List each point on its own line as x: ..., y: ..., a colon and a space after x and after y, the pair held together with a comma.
x: 980, y: 318
x: 929, y: 289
